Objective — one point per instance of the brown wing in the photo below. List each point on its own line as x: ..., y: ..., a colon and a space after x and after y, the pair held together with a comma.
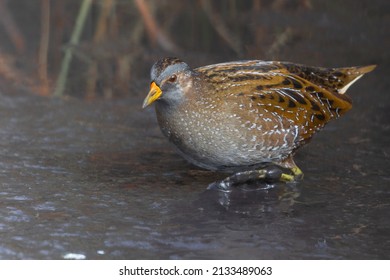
x: 333, y: 79
x: 305, y: 104
x: 271, y: 85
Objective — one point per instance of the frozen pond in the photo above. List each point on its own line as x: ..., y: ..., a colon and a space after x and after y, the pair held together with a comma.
x: 98, y: 180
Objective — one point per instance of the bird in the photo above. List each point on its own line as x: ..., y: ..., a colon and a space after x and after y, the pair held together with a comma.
x: 247, y: 117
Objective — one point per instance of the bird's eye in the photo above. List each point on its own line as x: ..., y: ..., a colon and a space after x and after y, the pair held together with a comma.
x: 172, y: 79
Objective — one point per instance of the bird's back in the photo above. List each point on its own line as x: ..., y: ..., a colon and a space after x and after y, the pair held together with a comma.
x: 306, y: 96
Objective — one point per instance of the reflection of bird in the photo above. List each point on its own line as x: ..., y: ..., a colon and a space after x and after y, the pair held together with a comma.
x: 245, y: 116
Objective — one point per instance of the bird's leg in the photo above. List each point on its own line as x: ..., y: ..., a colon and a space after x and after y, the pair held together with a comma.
x: 285, y: 171
x: 268, y: 174
x: 296, y: 172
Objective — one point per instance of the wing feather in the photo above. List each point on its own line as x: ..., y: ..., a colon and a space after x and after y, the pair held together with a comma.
x: 274, y: 87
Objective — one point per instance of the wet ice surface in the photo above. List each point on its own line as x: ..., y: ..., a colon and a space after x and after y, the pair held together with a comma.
x: 98, y: 181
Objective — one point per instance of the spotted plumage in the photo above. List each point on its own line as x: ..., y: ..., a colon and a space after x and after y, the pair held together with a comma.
x: 236, y: 116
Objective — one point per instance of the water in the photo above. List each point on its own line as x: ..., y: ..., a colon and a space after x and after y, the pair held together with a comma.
x: 98, y: 181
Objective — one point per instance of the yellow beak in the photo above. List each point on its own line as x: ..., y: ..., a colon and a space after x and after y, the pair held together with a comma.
x: 154, y: 94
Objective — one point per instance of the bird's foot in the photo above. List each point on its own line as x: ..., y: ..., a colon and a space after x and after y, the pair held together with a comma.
x: 292, y: 174
x: 269, y: 175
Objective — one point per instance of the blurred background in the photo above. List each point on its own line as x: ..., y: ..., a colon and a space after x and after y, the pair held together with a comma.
x: 105, y: 48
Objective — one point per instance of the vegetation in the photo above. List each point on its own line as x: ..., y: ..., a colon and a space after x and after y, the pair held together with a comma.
x: 98, y: 48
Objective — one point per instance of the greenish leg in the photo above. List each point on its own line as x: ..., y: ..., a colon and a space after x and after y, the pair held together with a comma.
x: 268, y: 174
x: 296, y: 174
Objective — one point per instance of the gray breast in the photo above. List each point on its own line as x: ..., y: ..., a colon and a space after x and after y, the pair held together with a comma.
x: 212, y: 137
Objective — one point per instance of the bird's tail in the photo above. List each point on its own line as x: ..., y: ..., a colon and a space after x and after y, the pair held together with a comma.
x: 349, y: 75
